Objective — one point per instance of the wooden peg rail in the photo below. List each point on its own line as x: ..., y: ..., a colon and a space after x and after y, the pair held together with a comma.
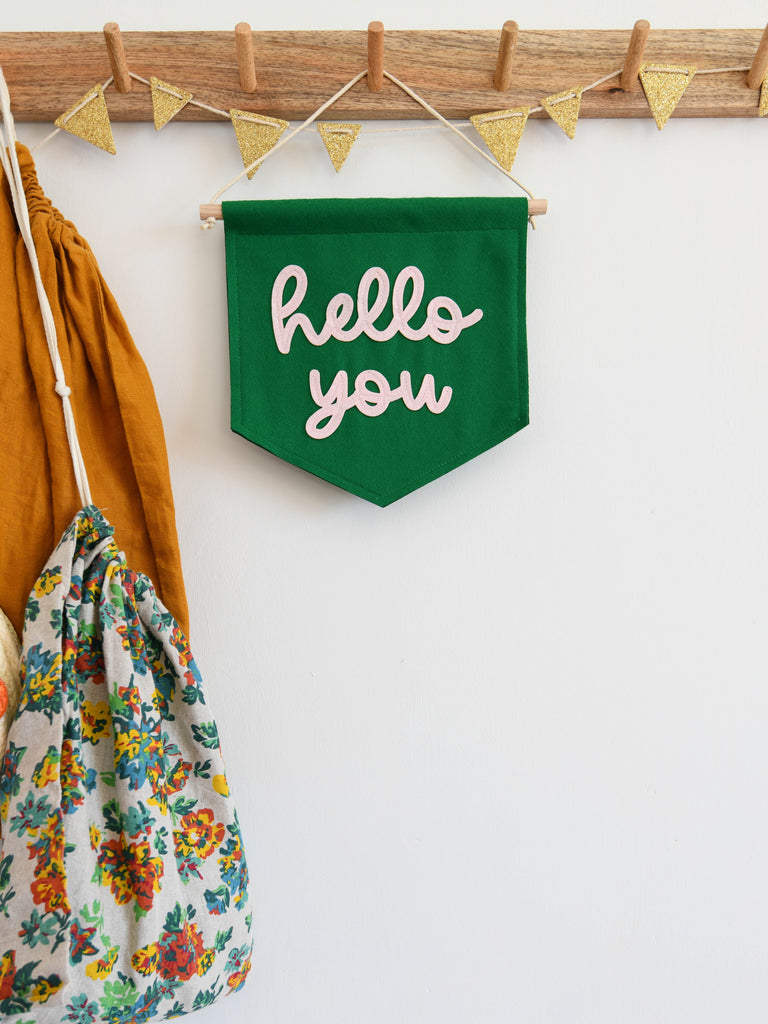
x: 290, y: 74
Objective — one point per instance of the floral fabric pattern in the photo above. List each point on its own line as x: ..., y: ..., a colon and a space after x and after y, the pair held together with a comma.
x: 123, y: 881
x: 10, y: 653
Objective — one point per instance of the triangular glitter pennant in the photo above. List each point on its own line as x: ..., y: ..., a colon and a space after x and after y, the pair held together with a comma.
x: 501, y: 131
x: 88, y: 119
x: 167, y: 101
x: 664, y: 84
x: 256, y: 134
x: 338, y: 138
x: 563, y: 108
x: 763, y: 110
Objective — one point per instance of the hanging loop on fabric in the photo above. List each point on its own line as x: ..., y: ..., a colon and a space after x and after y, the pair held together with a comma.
x: 10, y: 165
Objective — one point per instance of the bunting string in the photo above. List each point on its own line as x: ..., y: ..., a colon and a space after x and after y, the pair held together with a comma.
x: 464, y: 124
x: 721, y: 71
x: 84, y: 101
x: 385, y: 130
x: 338, y: 140
x: 453, y: 128
x: 80, y: 105
x: 500, y: 115
x: 259, y: 135
x: 287, y: 138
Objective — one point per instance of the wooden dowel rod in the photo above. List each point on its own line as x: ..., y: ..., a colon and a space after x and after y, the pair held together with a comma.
x: 507, y: 43
x: 116, y: 54
x: 634, y: 58
x: 375, y: 56
x: 536, y: 208
x: 759, y: 64
x: 245, y: 62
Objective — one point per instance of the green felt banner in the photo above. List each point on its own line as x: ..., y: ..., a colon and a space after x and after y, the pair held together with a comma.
x: 377, y: 343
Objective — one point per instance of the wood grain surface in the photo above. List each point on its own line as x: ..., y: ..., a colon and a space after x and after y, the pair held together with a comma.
x: 298, y: 71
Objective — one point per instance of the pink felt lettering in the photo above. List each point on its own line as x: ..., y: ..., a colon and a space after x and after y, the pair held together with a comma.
x: 371, y: 395
x: 444, y: 320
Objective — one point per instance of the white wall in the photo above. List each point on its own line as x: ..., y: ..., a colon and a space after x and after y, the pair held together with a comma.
x: 499, y: 749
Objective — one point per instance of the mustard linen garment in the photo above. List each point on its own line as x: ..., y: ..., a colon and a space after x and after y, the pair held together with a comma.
x: 121, y: 434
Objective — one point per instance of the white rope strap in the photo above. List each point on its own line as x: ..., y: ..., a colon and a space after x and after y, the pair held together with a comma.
x: 10, y: 164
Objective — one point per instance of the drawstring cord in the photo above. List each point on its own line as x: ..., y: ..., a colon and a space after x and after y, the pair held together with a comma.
x: 10, y: 163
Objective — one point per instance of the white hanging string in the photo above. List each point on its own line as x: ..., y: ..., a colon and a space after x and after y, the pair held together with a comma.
x: 434, y: 113
x: 227, y: 116
x: 287, y: 138
x: 10, y: 164
x: 210, y: 221
x: 423, y: 103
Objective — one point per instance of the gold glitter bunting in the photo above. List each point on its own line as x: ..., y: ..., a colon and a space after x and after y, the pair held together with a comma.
x: 501, y: 131
x: 88, y: 119
x: 256, y: 134
x: 664, y: 84
x: 338, y: 138
x: 563, y: 108
x: 167, y: 101
x: 763, y: 110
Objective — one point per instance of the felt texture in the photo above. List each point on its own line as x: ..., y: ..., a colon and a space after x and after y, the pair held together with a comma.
x: 118, y: 423
x: 470, y: 253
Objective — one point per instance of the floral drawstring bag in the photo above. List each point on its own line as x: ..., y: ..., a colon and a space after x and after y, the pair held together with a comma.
x: 123, y: 881
x: 10, y: 651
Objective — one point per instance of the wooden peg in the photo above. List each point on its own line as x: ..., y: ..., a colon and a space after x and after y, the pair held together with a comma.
x: 759, y: 64
x: 375, y: 56
x: 117, y: 59
x: 245, y: 62
x: 629, y: 76
x: 507, y: 43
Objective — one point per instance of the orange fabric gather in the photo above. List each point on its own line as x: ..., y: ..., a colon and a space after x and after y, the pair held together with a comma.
x: 118, y: 423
